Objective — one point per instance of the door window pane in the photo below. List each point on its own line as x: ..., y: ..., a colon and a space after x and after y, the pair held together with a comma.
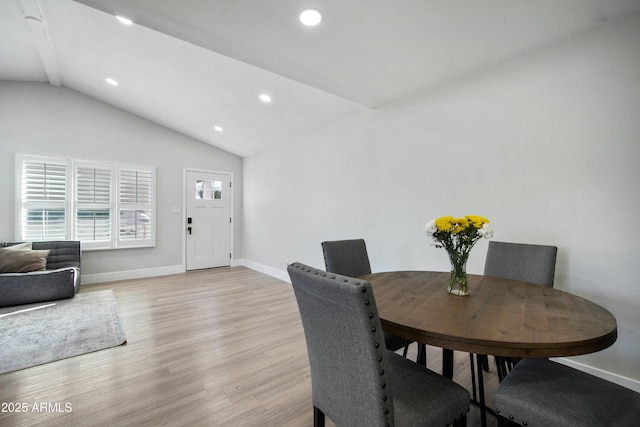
x: 208, y: 189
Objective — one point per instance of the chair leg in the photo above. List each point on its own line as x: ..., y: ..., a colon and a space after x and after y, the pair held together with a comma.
x: 501, y: 367
x: 513, y: 361
x: 406, y: 348
x: 318, y: 417
x: 485, y: 363
x: 504, y: 365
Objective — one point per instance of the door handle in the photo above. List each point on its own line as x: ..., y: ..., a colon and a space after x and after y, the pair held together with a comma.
x: 189, y: 230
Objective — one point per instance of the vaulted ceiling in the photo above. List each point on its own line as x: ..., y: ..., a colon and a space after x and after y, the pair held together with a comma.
x: 191, y: 65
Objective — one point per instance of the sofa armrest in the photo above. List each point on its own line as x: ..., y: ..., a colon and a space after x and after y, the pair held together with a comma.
x: 37, y: 286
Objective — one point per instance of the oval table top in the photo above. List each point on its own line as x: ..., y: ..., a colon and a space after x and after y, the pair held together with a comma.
x: 500, y: 317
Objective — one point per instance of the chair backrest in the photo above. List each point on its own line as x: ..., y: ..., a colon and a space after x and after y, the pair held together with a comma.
x: 524, y: 262
x: 346, y: 257
x: 347, y: 354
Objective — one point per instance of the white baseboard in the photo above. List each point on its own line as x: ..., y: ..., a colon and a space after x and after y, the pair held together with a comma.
x: 88, y: 279
x: 606, y: 375
x: 270, y: 271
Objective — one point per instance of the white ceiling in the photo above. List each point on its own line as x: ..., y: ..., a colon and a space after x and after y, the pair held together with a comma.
x: 192, y: 64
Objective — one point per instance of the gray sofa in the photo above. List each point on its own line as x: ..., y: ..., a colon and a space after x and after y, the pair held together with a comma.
x: 60, y: 279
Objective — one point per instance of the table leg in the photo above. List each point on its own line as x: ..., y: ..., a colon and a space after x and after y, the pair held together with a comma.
x: 483, y: 407
x: 447, y: 371
x: 422, y: 354
x: 447, y: 363
x: 472, y: 365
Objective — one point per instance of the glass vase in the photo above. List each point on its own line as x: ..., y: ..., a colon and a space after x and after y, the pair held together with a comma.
x: 458, y: 284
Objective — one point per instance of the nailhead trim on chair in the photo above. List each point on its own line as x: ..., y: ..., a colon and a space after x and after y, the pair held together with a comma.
x: 385, y: 398
x: 367, y: 303
x: 379, y: 353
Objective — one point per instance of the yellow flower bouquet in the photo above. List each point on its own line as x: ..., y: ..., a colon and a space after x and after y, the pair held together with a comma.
x: 458, y: 236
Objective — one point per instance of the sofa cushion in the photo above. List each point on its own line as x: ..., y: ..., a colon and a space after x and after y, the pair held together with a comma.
x: 22, y: 261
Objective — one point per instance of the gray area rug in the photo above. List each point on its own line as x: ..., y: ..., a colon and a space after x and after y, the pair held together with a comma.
x: 40, y: 333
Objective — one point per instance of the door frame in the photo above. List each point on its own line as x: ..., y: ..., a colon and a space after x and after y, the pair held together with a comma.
x: 184, y: 212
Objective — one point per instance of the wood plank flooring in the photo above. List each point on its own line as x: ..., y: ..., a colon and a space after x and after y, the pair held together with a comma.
x: 220, y: 347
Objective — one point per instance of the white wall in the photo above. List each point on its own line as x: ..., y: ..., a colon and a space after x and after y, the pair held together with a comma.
x: 40, y: 119
x: 546, y: 145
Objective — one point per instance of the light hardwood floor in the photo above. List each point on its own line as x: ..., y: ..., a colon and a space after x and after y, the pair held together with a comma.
x: 221, y: 347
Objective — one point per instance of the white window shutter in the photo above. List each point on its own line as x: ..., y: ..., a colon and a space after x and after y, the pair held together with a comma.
x: 104, y: 205
x: 136, y: 216
x: 42, y: 198
x: 94, y: 210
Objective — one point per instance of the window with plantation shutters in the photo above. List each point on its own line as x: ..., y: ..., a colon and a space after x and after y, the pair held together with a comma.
x: 94, y: 219
x: 104, y: 205
x: 136, y: 188
x: 42, y: 191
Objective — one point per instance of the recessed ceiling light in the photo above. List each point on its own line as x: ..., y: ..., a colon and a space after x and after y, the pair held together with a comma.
x: 311, y: 17
x: 112, y: 82
x: 218, y: 128
x: 125, y: 21
x: 265, y: 98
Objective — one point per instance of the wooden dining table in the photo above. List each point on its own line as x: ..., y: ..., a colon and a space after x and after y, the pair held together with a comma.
x: 500, y: 317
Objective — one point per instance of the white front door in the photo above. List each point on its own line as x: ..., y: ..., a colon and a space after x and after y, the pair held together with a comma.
x: 208, y: 220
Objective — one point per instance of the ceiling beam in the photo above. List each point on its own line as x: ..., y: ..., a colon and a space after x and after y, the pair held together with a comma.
x: 33, y: 16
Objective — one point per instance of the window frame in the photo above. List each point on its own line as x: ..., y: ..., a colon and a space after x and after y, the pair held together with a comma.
x: 132, y: 243
x: 46, y: 205
x: 73, y: 204
x: 88, y: 206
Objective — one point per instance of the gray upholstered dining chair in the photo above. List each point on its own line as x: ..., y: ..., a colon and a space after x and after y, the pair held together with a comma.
x: 516, y: 261
x: 355, y: 380
x: 540, y: 392
x: 346, y: 257
x: 523, y: 262
x: 350, y: 258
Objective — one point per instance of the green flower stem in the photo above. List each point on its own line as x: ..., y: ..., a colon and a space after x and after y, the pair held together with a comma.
x: 458, y: 247
x: 458, y: 284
